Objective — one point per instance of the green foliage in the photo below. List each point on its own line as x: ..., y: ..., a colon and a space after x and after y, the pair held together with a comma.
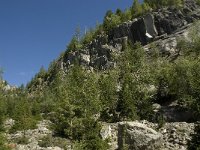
x: 134, y: 100
x: 38, y: 79
x: 111, y: 20
x: 185, y: 83
x: 75, y: 44
x: 180, y: 80
x: 161, y: 121
x: 46, y: 103
x: 78, y: 99
x: 194, y: 144
x: 155, y: 4
x: 91, y: 139
x: 23, y: 116
x: 83, y: 92
x: 77, y: 106
x: 51, y: 141
x: 108, y: 84
x: 191, y: 47
x: 21, y: 140
x: 126, y: 15
x: 41, y: 73
x: 182, y: 77
x: 198, y: 2
x: 2, y: 114
x: 2, y: 143
x: 136, y: 9
x: 2, y: 111
x: 91, y: 34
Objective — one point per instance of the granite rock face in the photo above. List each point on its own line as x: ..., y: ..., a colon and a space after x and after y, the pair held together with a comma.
x: 146, y: 135
x: 163, y: 25
x: 139, y: 30
x: 137, y: 136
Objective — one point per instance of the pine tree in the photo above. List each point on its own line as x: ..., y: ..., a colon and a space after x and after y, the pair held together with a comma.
x: 23, y: 115
x: 194, y: 144
x: 108, y: 86
x: 134, y: 98
x: 75, y: 43
x: 111, y: 20
x: 136, y: 9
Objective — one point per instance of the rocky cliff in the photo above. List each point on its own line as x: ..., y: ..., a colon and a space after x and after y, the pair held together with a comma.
x: 162, y: 25
x: 144, y: 135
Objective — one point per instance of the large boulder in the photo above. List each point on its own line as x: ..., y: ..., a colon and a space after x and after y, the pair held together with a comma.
x: 137, y: 136
x: 140, y: 135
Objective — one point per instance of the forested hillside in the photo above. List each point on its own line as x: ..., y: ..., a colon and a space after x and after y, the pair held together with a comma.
x: 142, y: 63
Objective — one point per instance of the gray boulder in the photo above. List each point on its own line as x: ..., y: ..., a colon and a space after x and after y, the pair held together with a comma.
x: 137, y: 136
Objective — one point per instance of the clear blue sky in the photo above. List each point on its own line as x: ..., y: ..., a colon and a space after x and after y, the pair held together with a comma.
x: 35, y: 32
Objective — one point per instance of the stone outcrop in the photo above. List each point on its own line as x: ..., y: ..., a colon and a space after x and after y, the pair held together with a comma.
x: 33, y: 136
x: 175, y: 134
x: 164, y: 21
x: 139, y: 30
x: 146, y: 135
x: 137, y: 136
x: 163, y: 25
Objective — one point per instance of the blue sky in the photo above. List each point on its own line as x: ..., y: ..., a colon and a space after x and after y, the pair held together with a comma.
x: 35, y: 32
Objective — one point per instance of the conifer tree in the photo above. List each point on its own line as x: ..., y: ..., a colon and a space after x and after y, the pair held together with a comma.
x: 108, y: 86
x: 134, y: 98
x: 136, y: 9
x: 23, y: 115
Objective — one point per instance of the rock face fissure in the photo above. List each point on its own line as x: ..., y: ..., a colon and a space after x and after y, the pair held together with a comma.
x: 161, y: 24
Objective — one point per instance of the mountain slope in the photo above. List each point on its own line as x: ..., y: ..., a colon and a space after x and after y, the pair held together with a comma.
x: 145, y: 68
x: 164, y: 26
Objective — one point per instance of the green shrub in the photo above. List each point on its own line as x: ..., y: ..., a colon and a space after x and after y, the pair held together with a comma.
x: 3, y: 143
x: 21, y: 140
x: 46, y: 141
x: 198, y: 2
x: 194, y: 144
x: 134, y: 98
x: 108, y: 84
x: 23, y: 117
x: 155, y: 4
x: 111, y: 21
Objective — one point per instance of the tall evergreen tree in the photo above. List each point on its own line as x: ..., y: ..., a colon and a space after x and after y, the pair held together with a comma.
x: 134, y: 100
x: 136, y: 9
x: 108, y: 86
